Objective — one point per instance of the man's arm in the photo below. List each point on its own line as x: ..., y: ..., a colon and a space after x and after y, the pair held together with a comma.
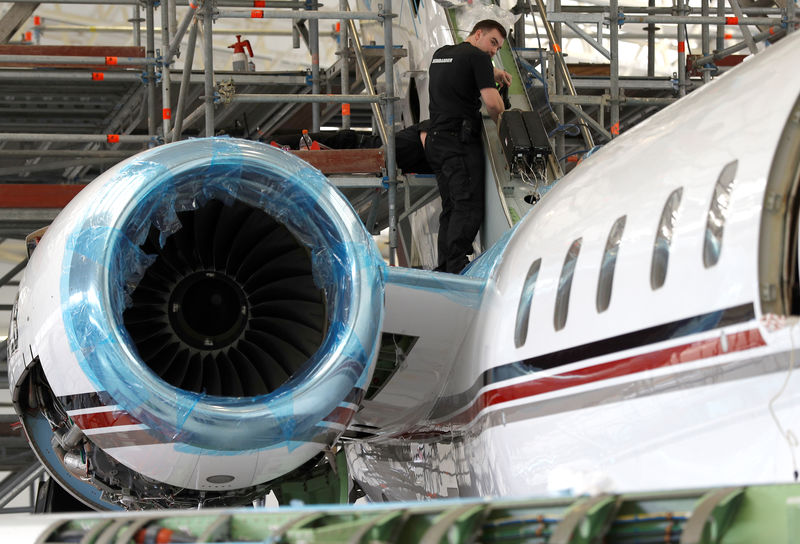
x: 494, y: 102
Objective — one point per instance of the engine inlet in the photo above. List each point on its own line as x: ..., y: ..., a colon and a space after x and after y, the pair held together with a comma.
x: 229, y: 307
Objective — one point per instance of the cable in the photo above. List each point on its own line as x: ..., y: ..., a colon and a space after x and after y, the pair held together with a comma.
x: 565, y: 128
x: 791, y: 439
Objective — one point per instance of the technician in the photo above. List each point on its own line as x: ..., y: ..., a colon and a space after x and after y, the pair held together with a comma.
x: 460, y: 77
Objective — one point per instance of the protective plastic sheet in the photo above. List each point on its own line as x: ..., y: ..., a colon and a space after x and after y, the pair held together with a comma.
x: 470, y: 13
x: 103, y: 263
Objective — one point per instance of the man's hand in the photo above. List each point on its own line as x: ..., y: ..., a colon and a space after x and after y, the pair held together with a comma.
x: 502, y: 77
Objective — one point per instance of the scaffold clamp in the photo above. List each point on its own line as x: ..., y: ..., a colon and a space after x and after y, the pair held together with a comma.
x: 383, y: 15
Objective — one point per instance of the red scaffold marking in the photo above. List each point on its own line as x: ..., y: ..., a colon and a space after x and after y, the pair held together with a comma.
x: 681, y: 47
x: 111, y: 61
x: 731, y: 20
x: 338, y: 26
x: 257, y: 14
x: 112, y: 138
x: 772, y: 30
x: 345, y: 109
x: 728, y: 36
x: 98, y: 76
x: 29, y: 36
x: 615, y: 129
x: 259, y: 3
x: 166, y: 113
x: 556, y: 48
x: 37, y: 20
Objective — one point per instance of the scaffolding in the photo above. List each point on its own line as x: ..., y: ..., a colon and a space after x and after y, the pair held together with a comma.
x: 594, y: 105
x: 132, y: 115
x: 79, y: 112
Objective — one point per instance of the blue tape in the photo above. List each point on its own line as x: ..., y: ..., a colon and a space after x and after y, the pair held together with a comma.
x: 103, y: 263
x: 464, y: 290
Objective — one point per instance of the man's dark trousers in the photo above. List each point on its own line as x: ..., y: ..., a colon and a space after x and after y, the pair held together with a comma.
x: 459, y: 168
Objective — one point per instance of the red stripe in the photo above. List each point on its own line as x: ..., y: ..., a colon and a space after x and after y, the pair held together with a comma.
x: 686, y: 353
x: 97, y: 420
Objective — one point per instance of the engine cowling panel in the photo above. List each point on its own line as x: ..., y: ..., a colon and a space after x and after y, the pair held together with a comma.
x: 206, y: 313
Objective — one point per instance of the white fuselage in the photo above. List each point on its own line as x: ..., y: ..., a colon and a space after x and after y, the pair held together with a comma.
x: 681, y: 385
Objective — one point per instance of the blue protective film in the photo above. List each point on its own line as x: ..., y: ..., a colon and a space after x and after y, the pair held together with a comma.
x: 485, y: 263
x: 103, y: 264
x: 466, y: 291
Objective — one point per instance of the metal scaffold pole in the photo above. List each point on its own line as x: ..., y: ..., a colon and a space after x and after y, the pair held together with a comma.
x: 748, y: 37
x: 166, y: 111
x: 364, y: 71
x: 613, y: 25
x: 391, y: 164
x: 137, y: 26
x: 208, y: 60
x: 313, y: 38
x: 706, y: 46
x: 151, y: 75
x: 554, y: 37
x: 681, y: 52
x: 185, y: 77
x: 651, y: 44
x: 344, y: 48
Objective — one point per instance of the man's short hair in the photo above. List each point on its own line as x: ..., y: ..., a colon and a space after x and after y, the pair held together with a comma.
x: 488, y: 24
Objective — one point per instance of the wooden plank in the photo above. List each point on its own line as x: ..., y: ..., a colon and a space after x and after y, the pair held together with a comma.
x: 329, y: 161
x: 29, y: 195
x: 47, y: 51
x: 344, y: 161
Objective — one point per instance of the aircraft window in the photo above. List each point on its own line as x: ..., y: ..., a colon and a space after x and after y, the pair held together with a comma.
x: 565, y: 284
x: 716, y: 214
x: 658, y: 268
x: 608, y: 264
x: 525, y: 300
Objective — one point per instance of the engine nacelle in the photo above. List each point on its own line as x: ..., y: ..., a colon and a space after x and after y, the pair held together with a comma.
x: 200, y: 320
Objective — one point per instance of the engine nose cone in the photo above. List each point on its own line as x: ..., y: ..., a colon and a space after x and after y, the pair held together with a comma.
x: 208, y: 310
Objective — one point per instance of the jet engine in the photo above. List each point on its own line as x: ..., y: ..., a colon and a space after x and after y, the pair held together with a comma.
x: 199, y: 321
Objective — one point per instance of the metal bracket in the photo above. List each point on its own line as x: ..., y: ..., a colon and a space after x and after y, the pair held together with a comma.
x: 587, y: 521
x: 712, y: 516
x: 464, y: 520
